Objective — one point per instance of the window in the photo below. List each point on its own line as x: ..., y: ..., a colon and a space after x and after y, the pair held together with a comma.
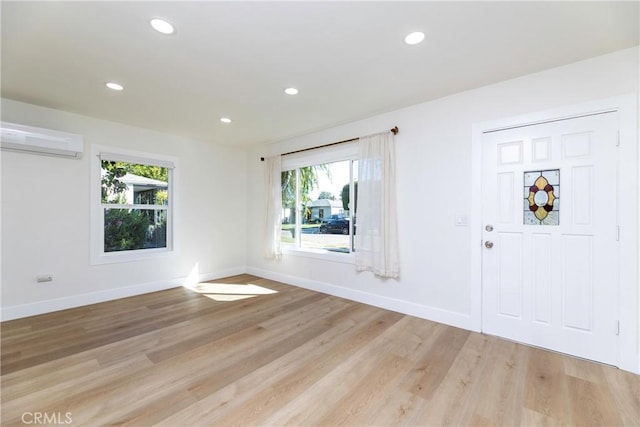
x: 132, y: 207
x: 317, y: 209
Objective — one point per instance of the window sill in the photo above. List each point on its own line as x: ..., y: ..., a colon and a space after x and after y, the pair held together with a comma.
x: 321, y: 254
x: 131, y: 256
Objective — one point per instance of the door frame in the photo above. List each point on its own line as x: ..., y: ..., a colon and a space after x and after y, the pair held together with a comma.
x: 628, y: 207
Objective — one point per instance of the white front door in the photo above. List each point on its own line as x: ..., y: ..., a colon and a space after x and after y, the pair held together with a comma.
x: 550, y: 254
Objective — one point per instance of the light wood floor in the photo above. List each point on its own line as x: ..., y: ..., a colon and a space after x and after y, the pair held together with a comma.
x: 295, y: 357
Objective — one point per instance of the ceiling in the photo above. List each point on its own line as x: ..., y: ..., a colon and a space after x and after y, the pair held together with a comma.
x: 234, y: 59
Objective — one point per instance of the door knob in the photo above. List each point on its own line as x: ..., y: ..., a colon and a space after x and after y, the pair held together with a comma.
x: 488, y: 244
x: 489, y: 227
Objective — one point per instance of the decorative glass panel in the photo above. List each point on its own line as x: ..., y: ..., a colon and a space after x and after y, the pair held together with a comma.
x: 542, y: 197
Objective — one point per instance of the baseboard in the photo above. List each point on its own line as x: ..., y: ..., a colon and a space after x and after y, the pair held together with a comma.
x: 405, y: 307
x: 400, y: 306
x: 48, y: 306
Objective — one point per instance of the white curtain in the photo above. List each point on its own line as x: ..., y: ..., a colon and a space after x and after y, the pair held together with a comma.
x: 273, y: 207
x: 376, y: 245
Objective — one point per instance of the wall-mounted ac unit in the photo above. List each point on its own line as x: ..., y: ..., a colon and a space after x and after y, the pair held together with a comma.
x: 30, y: 139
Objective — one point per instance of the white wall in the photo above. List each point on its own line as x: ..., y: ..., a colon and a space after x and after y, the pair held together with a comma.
x: 434, y: 163
x: 46, y: 223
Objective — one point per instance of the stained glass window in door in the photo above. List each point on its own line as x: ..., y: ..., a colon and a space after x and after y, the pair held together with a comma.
x: 542, y: 197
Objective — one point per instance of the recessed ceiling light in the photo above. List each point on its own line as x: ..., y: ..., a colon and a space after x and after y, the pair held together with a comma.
x: 225, y: 119
x: 291, y: 91
x: 114, y: 86
x: 414, y: 38
x: 162, y: 26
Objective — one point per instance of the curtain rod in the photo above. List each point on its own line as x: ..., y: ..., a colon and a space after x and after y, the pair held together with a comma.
x: 393, y: 130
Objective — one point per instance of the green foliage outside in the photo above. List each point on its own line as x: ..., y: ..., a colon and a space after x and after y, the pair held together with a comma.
x: 159, y: 236
x: 153, y: 172
x: 112, y: 187
x: 346, y: 196
x: 126, y: 229
x: 308, y: 181
x: 162, y: 197
x: 325, y: 195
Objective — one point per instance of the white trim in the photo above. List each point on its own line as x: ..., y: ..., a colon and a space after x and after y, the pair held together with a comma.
x: 551, y: 120
x: 405, y: 307
x: 41, y: 307
x: 137, y: 159
x: 629, y: 223
x: 627, y: 108
x: 323, y: 254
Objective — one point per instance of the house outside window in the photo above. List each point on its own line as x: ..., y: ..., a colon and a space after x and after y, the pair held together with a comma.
x: 132, y: 218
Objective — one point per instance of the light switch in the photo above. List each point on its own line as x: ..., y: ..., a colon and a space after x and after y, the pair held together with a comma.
x: 462, y: 220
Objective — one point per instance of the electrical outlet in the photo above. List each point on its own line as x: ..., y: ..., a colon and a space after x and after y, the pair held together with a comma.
x: 44, y: 278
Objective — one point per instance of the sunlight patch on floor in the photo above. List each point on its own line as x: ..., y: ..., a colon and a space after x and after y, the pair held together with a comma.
x: 227, y: 298
x: 229, y: 291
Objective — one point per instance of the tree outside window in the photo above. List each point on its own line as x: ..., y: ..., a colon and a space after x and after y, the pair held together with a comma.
x: 134, y: 199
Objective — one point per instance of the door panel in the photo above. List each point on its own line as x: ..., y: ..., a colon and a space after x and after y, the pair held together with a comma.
x: 510, y: 286
x: 577, y: 282
x: 550, y: 277
x: 541, y: 259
